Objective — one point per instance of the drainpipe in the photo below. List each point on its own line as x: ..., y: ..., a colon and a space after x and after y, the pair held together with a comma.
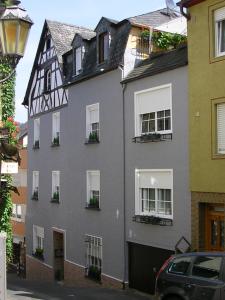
x: 124, y: 192
x: 186, y: 15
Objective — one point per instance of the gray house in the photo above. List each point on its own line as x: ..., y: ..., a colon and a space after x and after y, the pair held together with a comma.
x: 157, y: 198
x: 81, y: 174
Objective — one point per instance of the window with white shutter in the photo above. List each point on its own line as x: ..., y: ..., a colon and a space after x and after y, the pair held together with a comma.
x: 219, y: 18
x: 93, y: 189
x: 35, y: 190
x: 36, y: 143
x: 221, y: 128
x: 55, y: 186
x: 154, y: 193
x: 92, y: 123
x: 153, y: 111
x: 56, y: 128
x: 38, y: 241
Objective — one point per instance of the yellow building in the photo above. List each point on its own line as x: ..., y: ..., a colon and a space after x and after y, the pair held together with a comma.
x: 206, y: 47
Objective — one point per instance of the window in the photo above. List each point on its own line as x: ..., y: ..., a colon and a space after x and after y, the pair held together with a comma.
x: 154, y: 193
x: 92, y: 123
x: 103, y: 47
x: 207, y: 267
x: 25, y: 141
x: 93, y: 189
x: 153, y: 111
x: 220, y: 110
x: 35, y: 191
x: 48, y: 44
x: 78, y: 58
x: 36, y: 133
x: 38, y: 241
x: 47, y: 80
x: 17, y: 211
x: 93, y: 256
x: 219, y: 17
x: 55, y: 128
x: 180, y: 265
x: 55, y: 186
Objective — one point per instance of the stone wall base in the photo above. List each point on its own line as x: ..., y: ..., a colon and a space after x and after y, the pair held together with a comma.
x: 74, y: 275
x: 37, y: 270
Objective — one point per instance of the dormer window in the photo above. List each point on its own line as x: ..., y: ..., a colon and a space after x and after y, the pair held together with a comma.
x: 103, y: 47
x: 78, y: 57
x: 48, y: 44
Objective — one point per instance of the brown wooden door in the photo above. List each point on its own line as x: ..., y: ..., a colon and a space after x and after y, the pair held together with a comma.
x: 215, y: 230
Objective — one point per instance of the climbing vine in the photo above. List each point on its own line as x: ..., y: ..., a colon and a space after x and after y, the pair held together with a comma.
x: 7, y: 94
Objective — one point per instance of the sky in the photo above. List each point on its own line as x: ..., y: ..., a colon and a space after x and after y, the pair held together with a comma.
x: 82, y: 13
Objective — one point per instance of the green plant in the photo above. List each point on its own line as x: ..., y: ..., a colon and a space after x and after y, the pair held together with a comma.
x: 93, y: 137
x: 39, y: 253
x: 164, y: 40
x: 55, y: 141
x: 94, y: 273
x: 35, y: 195
x: 94, y: 202
x: 36, y: 144
x: 55, y: 196
x: 7, y: 110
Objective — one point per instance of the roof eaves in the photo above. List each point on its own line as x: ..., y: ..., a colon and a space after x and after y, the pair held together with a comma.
x: 189, y: 3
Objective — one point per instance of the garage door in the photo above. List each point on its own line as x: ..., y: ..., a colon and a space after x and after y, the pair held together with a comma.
x: 142, y: 260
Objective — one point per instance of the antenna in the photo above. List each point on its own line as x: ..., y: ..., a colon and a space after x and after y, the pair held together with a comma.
x: 170, y: 4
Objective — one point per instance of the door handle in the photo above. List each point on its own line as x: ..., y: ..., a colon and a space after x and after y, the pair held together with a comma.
x: 189, y: 285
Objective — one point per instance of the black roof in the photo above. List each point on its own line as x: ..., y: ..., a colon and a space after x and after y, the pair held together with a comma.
x: 158, y: 63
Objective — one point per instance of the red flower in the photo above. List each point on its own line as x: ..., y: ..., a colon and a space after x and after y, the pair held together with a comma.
x: 10, y: 119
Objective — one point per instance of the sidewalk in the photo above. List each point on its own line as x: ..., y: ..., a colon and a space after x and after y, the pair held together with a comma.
x: 22, y: 289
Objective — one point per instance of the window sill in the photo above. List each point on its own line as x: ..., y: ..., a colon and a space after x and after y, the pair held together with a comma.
x: 218, y: 156
x: 19, y: 220
x: 90, y: 142
x: 93, y: 208
x: 155, y: 137
x: 34, y: 198
x: 41, y: 258
x: 35, y: 147
x: 153, y: 220
x: 54, y: 145
x: 55, y: 201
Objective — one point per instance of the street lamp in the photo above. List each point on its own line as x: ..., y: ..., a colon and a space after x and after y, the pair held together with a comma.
x: 15, y: 25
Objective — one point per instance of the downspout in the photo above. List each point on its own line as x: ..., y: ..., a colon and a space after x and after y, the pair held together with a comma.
x: 186, y: 15
x: 124, y: 192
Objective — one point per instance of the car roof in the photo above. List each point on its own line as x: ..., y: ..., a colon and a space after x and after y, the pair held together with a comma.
x: 200, y: 254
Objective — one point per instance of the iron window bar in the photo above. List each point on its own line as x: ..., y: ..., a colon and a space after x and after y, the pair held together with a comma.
x: 152, y: 137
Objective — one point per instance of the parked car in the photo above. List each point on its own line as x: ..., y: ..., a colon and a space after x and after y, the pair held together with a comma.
x: 192, y: 276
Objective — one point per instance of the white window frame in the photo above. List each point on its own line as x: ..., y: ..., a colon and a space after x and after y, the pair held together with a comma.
x: 17, y: 212
x: 37, y: 130
x: 56, y: 125
x: 154, y: 185
x: 89, y: 176
x: 38, y: 237
x: 78, y: 55
x: 220, y: 128
x: 219, y: 17
x: 94, y: 248
x: 35, y: 182
x: 158, y: 108
x: 89, y: 111
x: 55, y: 182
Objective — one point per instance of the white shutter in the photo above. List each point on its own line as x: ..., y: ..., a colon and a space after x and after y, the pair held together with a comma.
x: 92, y: 116
x: 23, y: 212
x: 34, y: 238
x: 14, y: 210
x: 36, y: 129
x: 78, y: 60
x: 95, y: 180
x: 155, y: 179
x: 153, y: 100
x: 219, y: 14
x: 55, y: 124
x: 221, y: 128
x: 35, y: 180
